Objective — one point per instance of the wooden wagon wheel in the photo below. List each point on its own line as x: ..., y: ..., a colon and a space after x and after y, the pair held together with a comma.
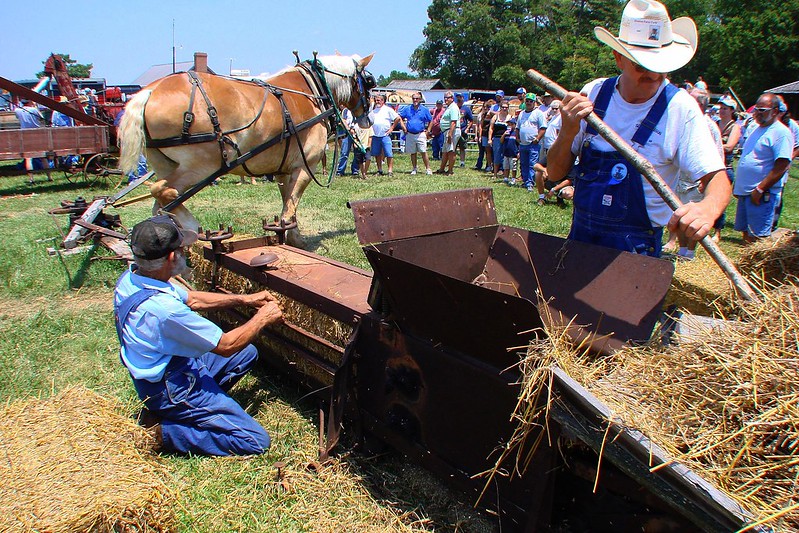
x: 102, y: 166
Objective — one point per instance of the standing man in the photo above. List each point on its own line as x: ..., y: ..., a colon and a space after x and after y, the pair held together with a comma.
x: 434, y: 132
x: 467, y: 119
x: 182, y: 364
x: 417, y: 117
x: 450, y: 127
x: 384, y: 120
x: 765, y: 157
x: 546, y: 101
x: 532, y: 126
x: 614, y: 205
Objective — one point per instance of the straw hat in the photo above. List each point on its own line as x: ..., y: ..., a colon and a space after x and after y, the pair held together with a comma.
x: 648, y: 37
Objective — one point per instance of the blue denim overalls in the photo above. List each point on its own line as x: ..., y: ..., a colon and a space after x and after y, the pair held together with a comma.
x: 609, y: 202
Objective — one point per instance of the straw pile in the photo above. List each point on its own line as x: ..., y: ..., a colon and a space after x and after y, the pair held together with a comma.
x: 74, y: 463
x: 774, y: 260
x: 724, y: 402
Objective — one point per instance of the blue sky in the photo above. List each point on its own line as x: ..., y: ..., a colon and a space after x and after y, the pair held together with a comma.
x: 123, y: 39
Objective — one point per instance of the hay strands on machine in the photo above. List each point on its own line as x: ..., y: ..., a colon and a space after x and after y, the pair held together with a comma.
x: 426, y: 355
x: 742, y: 285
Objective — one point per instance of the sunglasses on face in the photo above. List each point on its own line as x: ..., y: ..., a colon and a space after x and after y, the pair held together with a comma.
x: 763, y: 109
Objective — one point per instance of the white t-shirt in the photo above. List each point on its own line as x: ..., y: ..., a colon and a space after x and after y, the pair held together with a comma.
x: 553, y: 128
x: 529, y: 123
x: 383, y: 118
x: 681, y: 141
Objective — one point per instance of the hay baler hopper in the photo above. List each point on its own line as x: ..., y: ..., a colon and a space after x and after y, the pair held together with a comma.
x: 431, y: 367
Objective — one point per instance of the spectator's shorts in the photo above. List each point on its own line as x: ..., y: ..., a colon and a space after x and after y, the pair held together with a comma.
x: 461, y: 143
x: 381, y: 145
x: 450, y: 147
x: 542, y: 156
x: 509, y: 163
x: 416, y: 143
x: 756, y: 220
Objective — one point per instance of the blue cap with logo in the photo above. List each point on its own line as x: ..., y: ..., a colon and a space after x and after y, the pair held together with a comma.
x: 500, y: 92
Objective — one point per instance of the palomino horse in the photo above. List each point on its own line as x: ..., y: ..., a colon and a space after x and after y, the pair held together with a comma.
x: 195, y: 125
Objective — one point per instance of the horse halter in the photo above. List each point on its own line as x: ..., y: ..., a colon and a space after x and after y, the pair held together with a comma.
x: 365, y: 81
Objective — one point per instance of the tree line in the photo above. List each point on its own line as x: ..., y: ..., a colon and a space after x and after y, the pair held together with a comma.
x: 487, y: 44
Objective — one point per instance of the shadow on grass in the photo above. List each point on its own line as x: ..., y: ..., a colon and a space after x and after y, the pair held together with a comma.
x: 411, y: 491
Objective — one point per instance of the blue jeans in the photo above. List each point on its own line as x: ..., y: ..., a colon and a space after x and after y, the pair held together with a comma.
x: 437, y: 143
x: 496, y: 146
x: 346, y: 145
x: 197, y: 415
x: 481, y: 152
x: 528, y: 157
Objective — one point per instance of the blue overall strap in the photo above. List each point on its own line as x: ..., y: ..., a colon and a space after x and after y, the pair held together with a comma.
x: 602, y: 101
x: 129, y: 305
x: 655, y: 114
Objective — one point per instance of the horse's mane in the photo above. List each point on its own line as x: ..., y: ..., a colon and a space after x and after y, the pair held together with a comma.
x: 341, y: 87
x: 344, y: 65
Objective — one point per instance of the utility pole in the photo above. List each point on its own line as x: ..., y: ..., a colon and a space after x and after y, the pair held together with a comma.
x: 173, y: 46
x: 230, y: 70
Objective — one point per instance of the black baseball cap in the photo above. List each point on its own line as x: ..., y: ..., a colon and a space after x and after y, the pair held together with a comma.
x: 156, y: 237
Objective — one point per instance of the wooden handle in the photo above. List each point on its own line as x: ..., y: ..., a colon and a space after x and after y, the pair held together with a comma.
x: 742, y: 285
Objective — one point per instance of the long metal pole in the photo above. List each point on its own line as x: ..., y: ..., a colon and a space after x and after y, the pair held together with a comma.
x: 743, y: 287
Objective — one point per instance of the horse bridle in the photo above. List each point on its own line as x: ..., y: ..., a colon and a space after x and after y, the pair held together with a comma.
x: 363, y: 80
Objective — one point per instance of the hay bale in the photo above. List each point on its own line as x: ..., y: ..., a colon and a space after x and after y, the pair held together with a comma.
x: 774, y: 260
x: 700, y: 287
x: 74, y: 462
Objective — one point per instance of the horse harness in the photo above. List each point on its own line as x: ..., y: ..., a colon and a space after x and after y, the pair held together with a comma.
x: 290, y: 129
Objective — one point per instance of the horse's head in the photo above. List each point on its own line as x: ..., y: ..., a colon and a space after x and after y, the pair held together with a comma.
x: 350, y: 83
x: 365, y: 82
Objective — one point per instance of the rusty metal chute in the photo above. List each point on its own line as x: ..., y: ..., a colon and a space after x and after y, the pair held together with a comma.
x: 431, y: 366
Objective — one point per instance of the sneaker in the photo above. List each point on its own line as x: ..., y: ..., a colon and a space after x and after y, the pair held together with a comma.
x: 541, y: 202
x: 463, y: 164
x: 428, y: 172
x: 511, y: 182
x: 530, y: 188
x: 380, y: 173
x: 413, y: 172
x: 390, y: 174
x: 476, y: 168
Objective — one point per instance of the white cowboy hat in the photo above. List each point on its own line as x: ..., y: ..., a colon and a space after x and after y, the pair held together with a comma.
x: 648, y: 37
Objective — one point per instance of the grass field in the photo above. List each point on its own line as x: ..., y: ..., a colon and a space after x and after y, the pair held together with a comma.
x: 56, y: 329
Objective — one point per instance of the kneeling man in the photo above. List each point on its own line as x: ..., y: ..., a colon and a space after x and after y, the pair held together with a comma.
x: 182, y: 364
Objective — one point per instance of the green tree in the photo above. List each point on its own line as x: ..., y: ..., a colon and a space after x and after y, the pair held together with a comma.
x: 382, y: 81
x: 753, y: 49
x: 473, y: 43
x: 75, y: 69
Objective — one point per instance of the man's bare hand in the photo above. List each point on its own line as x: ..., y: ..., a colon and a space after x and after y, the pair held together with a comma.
x: 695, y: 220
x: 574, y: 108
x: 269, y: 313
x: 260, y: 299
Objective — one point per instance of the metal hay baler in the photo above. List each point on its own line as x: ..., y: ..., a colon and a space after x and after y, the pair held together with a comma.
x: 431, y: 364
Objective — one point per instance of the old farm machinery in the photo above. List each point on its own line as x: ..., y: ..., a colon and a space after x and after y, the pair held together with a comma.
x: 425, y: 357
x: 92, y: 139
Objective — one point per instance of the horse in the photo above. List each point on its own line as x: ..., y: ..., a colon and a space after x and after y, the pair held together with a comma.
x: 196, y: 126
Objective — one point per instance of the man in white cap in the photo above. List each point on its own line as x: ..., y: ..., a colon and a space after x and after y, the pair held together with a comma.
x: 614, y: 205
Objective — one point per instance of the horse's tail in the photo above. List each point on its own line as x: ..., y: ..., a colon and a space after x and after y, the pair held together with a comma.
x: 131, y: 132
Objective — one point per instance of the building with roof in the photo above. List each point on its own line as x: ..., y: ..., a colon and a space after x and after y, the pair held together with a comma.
x: 156, y: 72
x: 790, y: 92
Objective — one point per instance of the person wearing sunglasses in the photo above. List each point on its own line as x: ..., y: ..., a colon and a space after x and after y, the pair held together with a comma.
x: 766, y: 155
x: 182, y: 364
